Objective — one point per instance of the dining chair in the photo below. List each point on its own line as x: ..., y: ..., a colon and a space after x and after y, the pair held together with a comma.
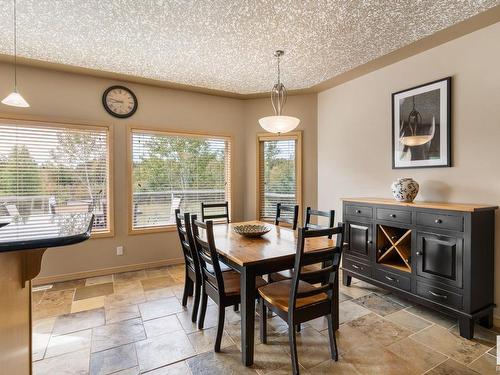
x: 294, y: 210
x: 310, y: 212
x: 209, y: 206
x: 222, y: 287
x: 287, y: 274
x: 192, y: 278
x: 297, y: 301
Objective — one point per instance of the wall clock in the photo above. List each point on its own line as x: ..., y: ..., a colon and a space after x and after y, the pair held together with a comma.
x: 119, y: 101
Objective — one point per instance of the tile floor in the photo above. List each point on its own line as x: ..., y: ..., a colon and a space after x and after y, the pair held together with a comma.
x: 133, y: 323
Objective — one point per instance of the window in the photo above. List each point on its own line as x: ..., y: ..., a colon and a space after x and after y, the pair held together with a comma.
x: 175, y: 170
x: 279, y: 179
x: 55, y: 168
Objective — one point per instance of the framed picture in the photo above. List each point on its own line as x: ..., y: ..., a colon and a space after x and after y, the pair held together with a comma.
x: 421, y: 126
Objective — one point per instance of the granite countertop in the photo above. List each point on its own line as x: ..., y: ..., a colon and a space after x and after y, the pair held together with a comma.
x: 43, y: 231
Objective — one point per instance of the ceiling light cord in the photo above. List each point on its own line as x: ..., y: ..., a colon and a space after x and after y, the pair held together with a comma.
x: 15, y: 46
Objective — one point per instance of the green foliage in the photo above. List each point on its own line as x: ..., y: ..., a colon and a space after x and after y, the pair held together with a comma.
x: 179, y: 163
x: 279, y: 170
x: 19, y: 173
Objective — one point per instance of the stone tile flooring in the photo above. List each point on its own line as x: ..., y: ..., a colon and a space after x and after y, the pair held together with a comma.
x: 133, y: 323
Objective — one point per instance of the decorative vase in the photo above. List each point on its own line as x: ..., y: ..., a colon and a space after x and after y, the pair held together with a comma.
x: 404, y: 189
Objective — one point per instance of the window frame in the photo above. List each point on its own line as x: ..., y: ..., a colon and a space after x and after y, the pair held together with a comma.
x: 297, y: 137
x: 34, y: 121
x: 172, y: 132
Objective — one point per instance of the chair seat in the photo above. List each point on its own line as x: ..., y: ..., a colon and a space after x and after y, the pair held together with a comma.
x: 223, y: 267
x: 287, y: 274
x: 232, y: 282
x: 278, y: 294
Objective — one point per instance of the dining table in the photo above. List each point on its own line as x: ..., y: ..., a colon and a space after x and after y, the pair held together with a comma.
x: 272, y: 252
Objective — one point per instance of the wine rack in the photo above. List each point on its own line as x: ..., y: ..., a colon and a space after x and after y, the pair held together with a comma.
x: 394, y: 247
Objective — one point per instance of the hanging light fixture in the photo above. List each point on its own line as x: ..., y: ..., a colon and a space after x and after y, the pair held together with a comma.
x: 415, y: 122
x: 278, y: 123
x: 15, y: 99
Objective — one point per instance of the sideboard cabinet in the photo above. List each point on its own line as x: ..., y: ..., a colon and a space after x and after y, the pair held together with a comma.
x: 440, y: 255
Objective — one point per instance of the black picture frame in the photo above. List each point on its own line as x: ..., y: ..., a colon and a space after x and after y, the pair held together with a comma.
x: 445, y: 159
x: 110, y: 111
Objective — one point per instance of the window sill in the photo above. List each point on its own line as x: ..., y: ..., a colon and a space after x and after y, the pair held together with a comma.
x: 104, y: 234
x: 164, y: 229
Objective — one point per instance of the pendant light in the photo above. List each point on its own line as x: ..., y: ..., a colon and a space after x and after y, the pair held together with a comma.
x: 15, y: 99
x: 279, y: 123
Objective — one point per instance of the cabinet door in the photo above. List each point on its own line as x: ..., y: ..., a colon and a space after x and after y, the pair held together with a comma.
x: 440, y: 258
x: 359, y: 237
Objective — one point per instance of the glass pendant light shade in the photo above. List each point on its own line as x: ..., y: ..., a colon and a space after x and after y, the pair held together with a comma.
x: 279, y: 124
x: 14, y: 99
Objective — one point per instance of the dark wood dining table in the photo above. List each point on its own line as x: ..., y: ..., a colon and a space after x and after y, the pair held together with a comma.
x: 251, y: 257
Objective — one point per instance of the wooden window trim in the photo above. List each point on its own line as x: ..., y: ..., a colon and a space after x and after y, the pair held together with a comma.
x: 166, y: 131
x: 297, y: 136
x: 35, y: 121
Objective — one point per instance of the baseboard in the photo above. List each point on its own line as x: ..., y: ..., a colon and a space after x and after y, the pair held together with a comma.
x: 496, y: 321
x: 104, y: 271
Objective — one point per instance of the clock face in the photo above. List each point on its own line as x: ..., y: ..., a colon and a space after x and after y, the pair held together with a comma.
x: 119, y: 101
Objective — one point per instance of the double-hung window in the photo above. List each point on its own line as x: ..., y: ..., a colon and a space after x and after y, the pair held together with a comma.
x: 279, y: 173
x: 175, y: 170
x: 53, y: 168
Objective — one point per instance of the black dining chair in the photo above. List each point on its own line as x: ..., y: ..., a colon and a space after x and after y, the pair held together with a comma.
x: 310, y: 212
x: 287, y: 274
x: 296, y: 301
x: 192, y: 279
x: 206, y: 208
x: 292, y: 210
x: 222, y: 287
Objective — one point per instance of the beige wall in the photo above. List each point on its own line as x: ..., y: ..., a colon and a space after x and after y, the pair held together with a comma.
x: 354, y: 129
x: 305, y: 108
x: 78, y: 98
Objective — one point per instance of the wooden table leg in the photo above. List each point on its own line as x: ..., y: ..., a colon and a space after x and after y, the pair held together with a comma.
x: 247, y: 314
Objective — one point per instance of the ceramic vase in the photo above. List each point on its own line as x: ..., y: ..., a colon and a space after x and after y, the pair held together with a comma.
x: 405, y: 189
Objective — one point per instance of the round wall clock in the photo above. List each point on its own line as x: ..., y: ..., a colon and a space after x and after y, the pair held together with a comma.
x: 119, y: 101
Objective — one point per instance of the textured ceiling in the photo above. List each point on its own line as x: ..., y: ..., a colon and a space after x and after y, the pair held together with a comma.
x: 222, y: 44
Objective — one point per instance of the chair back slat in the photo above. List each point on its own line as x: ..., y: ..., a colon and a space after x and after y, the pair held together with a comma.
x: 207, y: 254
x: 280, y: 208
x: 329, y: 257
x: 310, y: 212
x: 208, y: 216
x: 321, y: 289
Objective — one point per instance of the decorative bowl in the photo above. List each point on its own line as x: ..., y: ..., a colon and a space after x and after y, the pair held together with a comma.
x: 251, y: 230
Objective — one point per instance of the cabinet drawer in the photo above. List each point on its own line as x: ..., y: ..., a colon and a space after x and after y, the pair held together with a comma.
x: 357, y: 267
x: 439, y: 295
x: 393, y: 279
x: 450, y: 222
x: 358, y: 211
x: 394, y: 215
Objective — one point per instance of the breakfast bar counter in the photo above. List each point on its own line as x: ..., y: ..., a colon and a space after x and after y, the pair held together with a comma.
x: 23, y: 241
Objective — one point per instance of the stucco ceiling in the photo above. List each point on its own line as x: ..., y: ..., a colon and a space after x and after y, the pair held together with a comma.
x: 223, y: 44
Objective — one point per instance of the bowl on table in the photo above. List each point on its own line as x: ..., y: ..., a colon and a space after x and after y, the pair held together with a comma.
x: 251, y: 230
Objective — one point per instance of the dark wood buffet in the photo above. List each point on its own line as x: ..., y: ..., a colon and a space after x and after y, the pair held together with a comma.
x: 440, y: 255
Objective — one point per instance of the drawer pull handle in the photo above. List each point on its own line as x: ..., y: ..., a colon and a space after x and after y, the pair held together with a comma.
x: 392, y: 279
x: 393, y: 215
x: 438, y: 221
x: 437, y: 295
x: 369, y: 242
x: 358, y: 211
x: 357, y: 267
x: 420, y: 253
